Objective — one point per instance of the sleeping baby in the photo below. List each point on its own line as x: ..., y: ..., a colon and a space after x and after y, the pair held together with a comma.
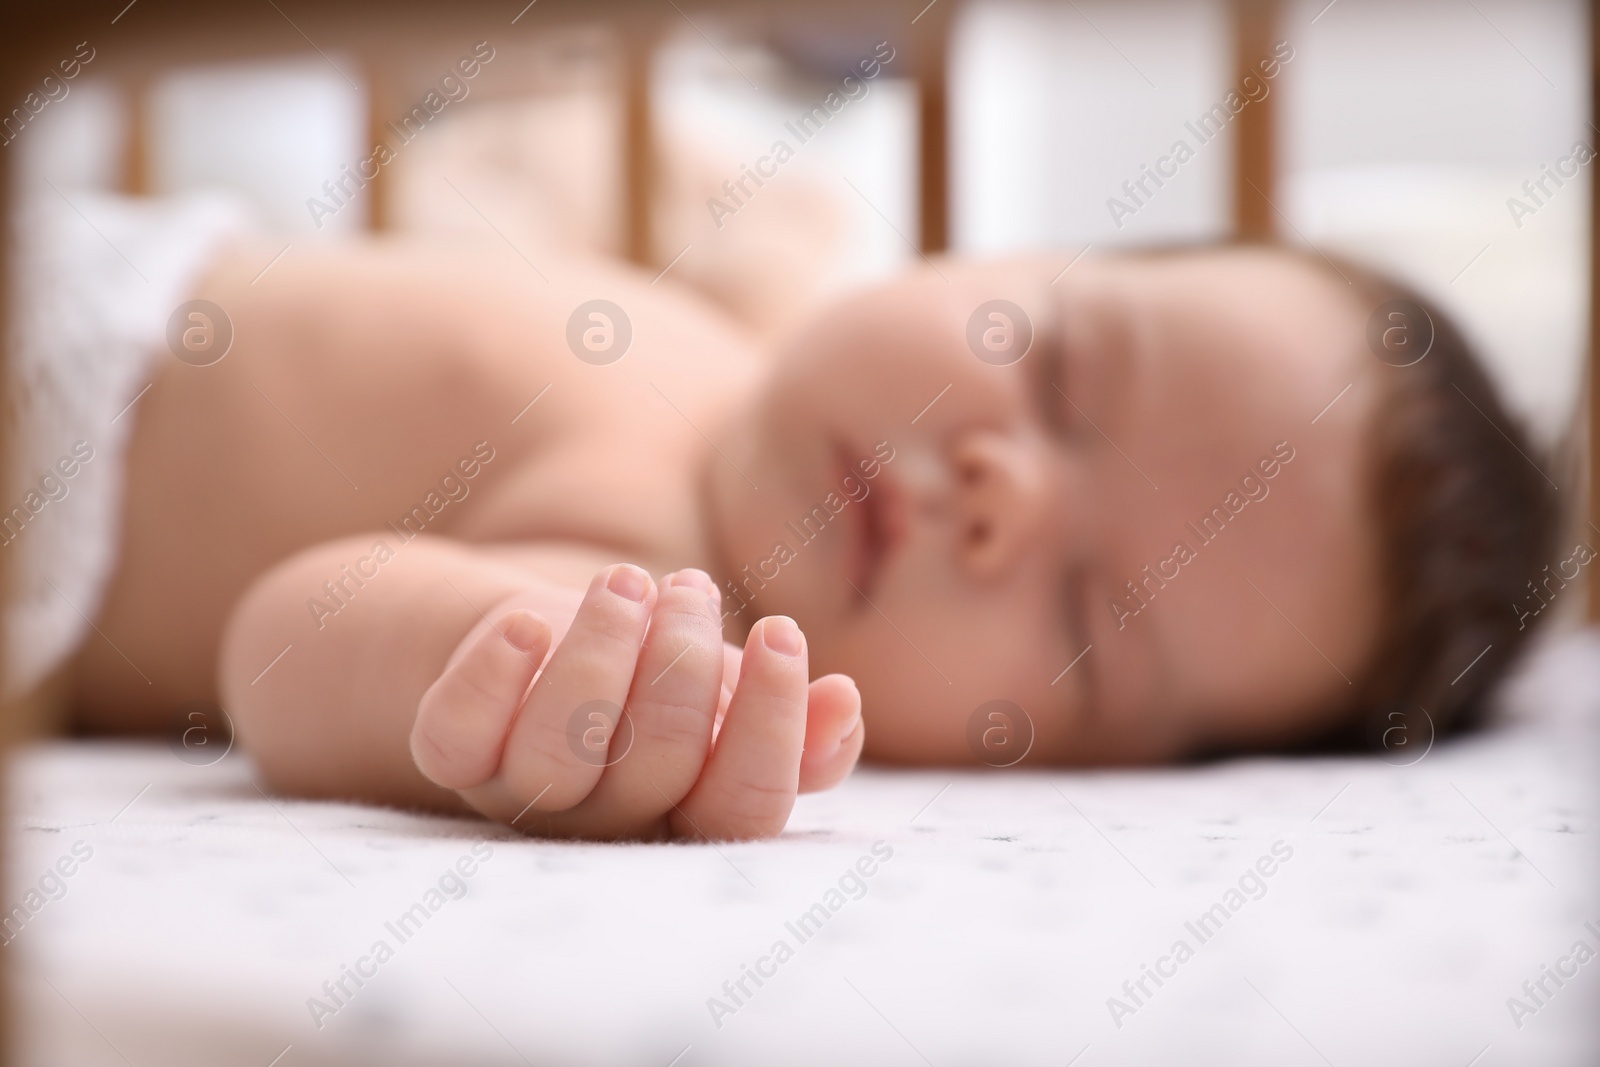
x: 579, y: 555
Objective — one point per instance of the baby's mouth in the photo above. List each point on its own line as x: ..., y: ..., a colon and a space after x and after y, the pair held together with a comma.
x: 874, y: 533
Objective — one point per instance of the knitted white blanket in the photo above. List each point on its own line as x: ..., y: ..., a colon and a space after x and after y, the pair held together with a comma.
x: 96, y: 279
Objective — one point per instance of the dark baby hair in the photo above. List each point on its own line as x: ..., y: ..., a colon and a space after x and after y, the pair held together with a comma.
x: 1467, y: 519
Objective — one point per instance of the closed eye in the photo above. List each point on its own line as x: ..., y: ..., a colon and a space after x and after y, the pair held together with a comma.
x: 1050, y: 381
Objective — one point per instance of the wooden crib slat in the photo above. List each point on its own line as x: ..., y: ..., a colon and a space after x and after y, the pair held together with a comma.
x: 15, y: 51
x: 380, y: 101
x: 136, y: 157
x: 638, y: 152
x: 1592, y: 507
x: 931, y: 40
x: 1255, y: 24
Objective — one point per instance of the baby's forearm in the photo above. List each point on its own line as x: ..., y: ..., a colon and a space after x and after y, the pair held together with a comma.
x: 326, y: 656
x: 418, y: 676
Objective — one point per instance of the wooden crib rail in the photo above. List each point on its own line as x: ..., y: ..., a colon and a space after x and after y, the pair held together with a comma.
x: 173, y: 33
x: 1591, y: 448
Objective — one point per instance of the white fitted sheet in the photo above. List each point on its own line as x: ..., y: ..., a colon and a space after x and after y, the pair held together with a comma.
x: 1417, y: 901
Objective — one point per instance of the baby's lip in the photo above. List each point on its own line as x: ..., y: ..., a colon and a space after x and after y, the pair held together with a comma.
x: 875, y: 528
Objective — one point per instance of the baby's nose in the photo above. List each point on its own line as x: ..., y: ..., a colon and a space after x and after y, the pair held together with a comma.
x: 1000, y: 486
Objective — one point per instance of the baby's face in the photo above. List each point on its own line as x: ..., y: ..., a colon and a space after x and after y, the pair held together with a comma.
x: 1172, y: 413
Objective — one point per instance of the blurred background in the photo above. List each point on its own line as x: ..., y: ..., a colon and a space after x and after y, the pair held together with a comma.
x: 1401, y: 131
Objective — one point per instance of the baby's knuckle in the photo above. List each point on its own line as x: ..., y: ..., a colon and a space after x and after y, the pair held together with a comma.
x: 614, y: 635
x: 551, y: 787
x: 736, y: 825
x: 685, y: 602
x: 674, y: 724
x: 678, y: 665
x: 434, y: 754
x: 475, y: 687
x: 688, y: 626
x: 757, y: 797
x: 600, y: 673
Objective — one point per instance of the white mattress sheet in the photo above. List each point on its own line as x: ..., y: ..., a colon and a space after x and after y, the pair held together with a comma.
x: 1414, y: 904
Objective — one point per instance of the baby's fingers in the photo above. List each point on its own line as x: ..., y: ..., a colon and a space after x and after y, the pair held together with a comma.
x: 670, y: 710
x: 834, y: 733
x: 748, y: 786
x: 463, y: 718
x: 588, y: 678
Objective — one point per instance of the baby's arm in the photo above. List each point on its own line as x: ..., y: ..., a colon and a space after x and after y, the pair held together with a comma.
x: 459, y: 632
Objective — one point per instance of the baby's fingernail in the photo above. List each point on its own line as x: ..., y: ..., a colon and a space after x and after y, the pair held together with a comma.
x: 522, y: 630
x: 779, y: 633
x: 693, y: 578
x: 629, y: 582
x: 852, y: 724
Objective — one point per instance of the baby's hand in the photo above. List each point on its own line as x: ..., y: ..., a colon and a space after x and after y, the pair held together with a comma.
x: 554, y: 759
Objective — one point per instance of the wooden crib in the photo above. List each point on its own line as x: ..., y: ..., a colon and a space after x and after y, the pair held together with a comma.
x: 137, y: 40
x: 151, y: 35
x: 392, y: 45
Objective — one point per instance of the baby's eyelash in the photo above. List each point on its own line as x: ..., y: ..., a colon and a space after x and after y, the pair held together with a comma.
x: 1051, y: 381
